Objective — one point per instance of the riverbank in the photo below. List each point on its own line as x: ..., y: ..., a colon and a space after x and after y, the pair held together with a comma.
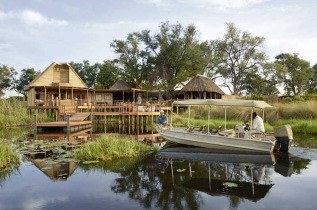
x: 14, y: 114
x: 7, y: 155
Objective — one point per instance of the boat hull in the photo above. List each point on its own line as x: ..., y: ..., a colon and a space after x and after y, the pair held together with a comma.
x: 215, y: 141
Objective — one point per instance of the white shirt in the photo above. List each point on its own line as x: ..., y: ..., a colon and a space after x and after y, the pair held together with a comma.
x: 257, y: 124
x: 139, y: 100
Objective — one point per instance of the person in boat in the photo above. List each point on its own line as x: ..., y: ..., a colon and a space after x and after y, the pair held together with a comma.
x: 257, y: 123
x: 162, y: 119
x: 139, y: 99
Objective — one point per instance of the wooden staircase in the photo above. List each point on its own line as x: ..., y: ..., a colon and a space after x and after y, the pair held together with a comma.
x: 79, y: 116
x: 66, y: 107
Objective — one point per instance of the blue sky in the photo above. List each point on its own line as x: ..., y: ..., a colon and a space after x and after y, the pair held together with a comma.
x: 35, y: 33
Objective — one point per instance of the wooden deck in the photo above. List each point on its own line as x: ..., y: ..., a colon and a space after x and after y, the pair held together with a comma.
x: 62, y: 124
x: 79, y: 116
x: 125, y: 113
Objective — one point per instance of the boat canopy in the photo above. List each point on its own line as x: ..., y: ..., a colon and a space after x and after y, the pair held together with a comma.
x: 223, y: 102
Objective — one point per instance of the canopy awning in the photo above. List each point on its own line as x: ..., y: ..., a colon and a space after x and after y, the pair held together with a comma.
x: 223, y: 102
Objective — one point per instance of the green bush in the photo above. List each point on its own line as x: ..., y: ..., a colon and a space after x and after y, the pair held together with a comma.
x: 108, y: 147
x: 7, y: 156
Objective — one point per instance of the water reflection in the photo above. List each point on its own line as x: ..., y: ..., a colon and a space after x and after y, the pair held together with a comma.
x: 227, y: 173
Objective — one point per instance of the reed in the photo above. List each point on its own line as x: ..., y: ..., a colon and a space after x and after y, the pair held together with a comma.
x: 13, y: 113
x: 7, y: 155
x: 296, y: 110
x: 109, y: 147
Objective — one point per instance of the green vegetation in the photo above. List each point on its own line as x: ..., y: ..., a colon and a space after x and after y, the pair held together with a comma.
x: 13, y: 113
x: 301, y: 116
x: 7, y: 155
x: 109, y: 147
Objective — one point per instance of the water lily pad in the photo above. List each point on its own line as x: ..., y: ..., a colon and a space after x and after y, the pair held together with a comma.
x: 247, y: 164
x: 47, y: 168
x: 91, y: 161
x: 229, y: 184
x: 181, y: 170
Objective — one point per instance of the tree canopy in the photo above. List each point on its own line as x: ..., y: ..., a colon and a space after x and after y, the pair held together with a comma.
x: 294, y: 72
x: 170, y: 57
x: 26, y: 77
x: 236, y: 57
x: 6, y: 77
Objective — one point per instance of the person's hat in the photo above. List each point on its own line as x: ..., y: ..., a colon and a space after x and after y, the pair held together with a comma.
x: 162, y: 111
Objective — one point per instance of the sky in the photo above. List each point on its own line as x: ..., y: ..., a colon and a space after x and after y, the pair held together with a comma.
x: 36, y: 33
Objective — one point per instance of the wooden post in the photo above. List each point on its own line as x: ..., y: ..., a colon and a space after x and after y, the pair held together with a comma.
x: 123, y: 96
x: 191, y: 95
x: 44, y: 96
x: 68, y: 128
x: 35, y: 127
x: 87, y: 99
x: 147, y: 95
x: 59, y: 94
x: 134, y: 96
x: 73, y: 96
x: 90, y: 117
x: 34, y: 97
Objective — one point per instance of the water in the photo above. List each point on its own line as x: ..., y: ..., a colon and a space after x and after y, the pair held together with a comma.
x: 173, y: 178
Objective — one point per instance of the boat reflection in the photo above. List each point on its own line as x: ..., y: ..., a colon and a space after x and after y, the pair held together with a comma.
x: 227, y: 173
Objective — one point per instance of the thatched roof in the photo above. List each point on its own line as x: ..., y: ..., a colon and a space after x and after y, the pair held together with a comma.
x: 201, y: 84
x: 121, y: 85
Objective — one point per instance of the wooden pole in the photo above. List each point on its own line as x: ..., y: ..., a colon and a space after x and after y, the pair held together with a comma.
x: 34, y: 97
x: 208, y: 119
x: 123, y: 96
x: 68, y: 128
x: 35, y: 127
x: 44, y: 96
x: 188, y: 116
x: 134, y: 96
x: 225, y: 118
x: 73, y: 96
x: 90, y: 117
x: 59, y: 94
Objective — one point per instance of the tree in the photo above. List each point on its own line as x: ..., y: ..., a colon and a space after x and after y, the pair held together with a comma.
x: 26, y: 77
x: 88, y: 73
x: 237, y: 56
x: 312, y: 82
x: 108, y: 75
x: 6, y: 77
x: 263, y: 82
x: 133, y: 60
x: 294, y: 72
x: 177, y: 54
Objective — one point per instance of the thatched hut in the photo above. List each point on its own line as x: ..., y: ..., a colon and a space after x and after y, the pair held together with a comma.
x: 201, y: 87
x: 121, y: 85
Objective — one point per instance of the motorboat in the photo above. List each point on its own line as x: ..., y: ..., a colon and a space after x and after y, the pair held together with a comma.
x: 235, y: 139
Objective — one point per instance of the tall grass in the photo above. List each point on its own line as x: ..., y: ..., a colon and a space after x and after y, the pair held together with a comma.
x: 7, y: 155
x: 13, y: 113
x: 302, y: 116
x: 108, y: 147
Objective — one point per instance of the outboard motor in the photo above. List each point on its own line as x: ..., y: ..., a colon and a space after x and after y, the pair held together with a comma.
x: 284, y: 137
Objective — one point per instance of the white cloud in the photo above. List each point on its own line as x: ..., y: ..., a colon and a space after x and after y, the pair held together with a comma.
x: 158, y: 3
x: 221, y: 4
x: 31, y: 17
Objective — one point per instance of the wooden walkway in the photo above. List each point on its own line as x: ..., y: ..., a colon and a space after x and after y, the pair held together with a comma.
x: 125, y: 113
x: 79, y: 116
x: 73, y: 126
